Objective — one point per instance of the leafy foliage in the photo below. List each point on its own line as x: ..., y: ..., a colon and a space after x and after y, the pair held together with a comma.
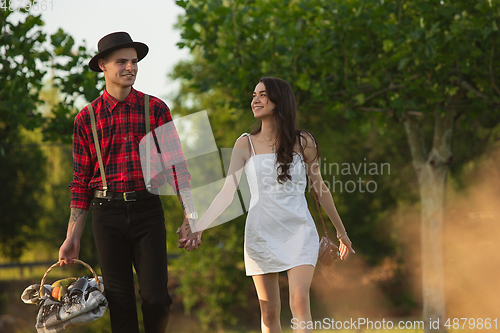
x: 22, y: 183
x: 20, y: 79
x: 20, y: 76
x: 75, y: 82
x: 345, y: 55
x: 358, y: 69
x: 26, y: 57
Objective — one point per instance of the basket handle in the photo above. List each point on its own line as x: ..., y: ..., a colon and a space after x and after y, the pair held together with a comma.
x: 42, y: 292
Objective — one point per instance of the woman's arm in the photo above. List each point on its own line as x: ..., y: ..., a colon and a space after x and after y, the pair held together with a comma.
x: 324, y: 195
x: 239, y: 156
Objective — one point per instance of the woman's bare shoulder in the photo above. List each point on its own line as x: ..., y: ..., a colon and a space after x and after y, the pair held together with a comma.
x: 243, y: 141
x: 242, y: 146
x: 310, y: 141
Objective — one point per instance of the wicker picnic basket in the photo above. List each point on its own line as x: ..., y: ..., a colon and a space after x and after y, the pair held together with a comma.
x: 70, y: 309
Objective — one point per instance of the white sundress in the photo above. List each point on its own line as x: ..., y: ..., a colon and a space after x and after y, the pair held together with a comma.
x: 279, y: 233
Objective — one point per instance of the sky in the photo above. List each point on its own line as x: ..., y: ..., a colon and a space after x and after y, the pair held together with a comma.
x: 148, y: 21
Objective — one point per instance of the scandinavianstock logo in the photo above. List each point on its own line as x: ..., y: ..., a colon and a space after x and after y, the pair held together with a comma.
x: 187, y: 143
x: 335, y: 174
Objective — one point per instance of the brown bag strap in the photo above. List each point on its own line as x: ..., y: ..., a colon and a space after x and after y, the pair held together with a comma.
x: 318, y: 207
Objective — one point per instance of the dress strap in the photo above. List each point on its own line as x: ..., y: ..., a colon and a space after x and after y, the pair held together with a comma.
x: 250, y: 141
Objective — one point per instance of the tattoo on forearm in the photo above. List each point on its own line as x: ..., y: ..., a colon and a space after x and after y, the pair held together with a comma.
x: 75, y: 214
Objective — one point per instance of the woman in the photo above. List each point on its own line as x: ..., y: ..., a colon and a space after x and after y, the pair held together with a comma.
x: 280, y: 234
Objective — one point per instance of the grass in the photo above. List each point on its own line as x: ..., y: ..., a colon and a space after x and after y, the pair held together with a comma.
x: 178, y: 323
x: 33, y: 273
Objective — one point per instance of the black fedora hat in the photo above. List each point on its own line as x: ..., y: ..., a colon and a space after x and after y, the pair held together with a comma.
x: 115, y: 41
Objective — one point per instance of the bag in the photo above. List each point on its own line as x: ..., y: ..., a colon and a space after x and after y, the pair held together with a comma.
x: 328, y: 251
x: 75, y: 308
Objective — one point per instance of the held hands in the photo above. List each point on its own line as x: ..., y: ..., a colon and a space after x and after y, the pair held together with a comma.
x: 187, y: 239
x: 345, y: 247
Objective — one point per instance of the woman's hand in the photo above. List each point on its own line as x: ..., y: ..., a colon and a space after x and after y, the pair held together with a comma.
x: 345, y: 247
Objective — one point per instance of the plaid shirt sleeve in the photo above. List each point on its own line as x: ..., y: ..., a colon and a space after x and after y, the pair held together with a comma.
x: 176, y: 172
x: 81, y: 195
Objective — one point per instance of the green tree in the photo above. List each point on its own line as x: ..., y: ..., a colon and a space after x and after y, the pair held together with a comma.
x: 20, y: 79
x: 25, y: 57
x: 76, y: 83
x: 423, y: 66
x: 22, y: 176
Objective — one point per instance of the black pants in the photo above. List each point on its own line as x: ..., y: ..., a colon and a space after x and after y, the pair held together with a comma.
x: 126, y: 234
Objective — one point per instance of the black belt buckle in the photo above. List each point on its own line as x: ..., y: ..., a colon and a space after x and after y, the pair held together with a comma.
x: 129, y: 196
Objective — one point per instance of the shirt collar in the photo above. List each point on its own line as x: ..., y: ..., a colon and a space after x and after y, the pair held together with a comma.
x: 111, y: 102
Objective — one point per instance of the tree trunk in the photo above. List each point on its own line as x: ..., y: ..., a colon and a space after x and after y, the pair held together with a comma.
x: 432, y: 184
x: 431, y: 171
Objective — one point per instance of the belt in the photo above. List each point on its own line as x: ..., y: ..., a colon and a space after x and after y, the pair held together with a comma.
x: 124, y: 196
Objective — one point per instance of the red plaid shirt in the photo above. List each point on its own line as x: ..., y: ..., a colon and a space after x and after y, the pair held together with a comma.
x: 120, y: 128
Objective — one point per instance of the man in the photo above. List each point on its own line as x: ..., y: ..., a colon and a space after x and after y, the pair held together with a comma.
x: 127, y: 219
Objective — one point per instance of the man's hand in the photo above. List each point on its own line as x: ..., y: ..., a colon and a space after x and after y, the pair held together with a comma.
x: 187, y: 239
x: 68, y: 251
x: 71, y: 247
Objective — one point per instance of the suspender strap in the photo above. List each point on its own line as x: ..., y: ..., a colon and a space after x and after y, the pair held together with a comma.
x: 148, y: 143
x: 97, y: 148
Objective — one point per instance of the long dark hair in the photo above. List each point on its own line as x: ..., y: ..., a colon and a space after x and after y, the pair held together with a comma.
x: 280, y: 93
